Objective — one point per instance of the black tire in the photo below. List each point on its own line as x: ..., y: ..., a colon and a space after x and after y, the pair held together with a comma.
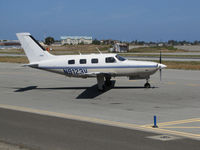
x: 108, y: 83
x: 103, y: 89
x: 147, y: 85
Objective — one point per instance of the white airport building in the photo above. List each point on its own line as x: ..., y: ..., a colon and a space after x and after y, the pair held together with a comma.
x: 120, y: 47
x: 76, y: 40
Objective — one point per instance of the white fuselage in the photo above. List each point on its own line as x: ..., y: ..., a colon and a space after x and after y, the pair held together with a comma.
x: 82, y: 66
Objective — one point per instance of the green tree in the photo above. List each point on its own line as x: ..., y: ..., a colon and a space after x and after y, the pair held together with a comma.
x: 172, y: 42
x: 196, y: 42
x: 96, y: 42
x: 49, y: 40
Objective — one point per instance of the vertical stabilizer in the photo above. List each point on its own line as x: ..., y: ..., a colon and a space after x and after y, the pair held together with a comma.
x: 33, y: 50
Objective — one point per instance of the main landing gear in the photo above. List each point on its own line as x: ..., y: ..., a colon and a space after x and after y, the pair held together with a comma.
x: 101, y: 84
x: 108, y: 82
x: 147, y: 84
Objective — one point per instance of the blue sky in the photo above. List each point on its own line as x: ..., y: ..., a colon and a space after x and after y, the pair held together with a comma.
x: 127, y: 20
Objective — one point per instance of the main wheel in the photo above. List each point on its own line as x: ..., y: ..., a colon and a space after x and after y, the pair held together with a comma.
x: 147, y: 85
x: 103, y: 89
x: 108, y: 81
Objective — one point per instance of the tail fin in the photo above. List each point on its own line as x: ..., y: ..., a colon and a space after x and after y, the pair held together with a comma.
x: 33, y: 50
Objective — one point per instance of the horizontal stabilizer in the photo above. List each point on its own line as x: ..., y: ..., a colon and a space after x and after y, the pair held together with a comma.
x: 31, y: 65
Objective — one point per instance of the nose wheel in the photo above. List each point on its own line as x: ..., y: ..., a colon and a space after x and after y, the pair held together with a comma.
x: 147, y: 84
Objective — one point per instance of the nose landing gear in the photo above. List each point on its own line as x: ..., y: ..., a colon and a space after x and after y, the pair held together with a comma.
x: 147, y: 84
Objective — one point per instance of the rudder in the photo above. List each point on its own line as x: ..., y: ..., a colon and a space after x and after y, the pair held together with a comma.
x: 33, y: 50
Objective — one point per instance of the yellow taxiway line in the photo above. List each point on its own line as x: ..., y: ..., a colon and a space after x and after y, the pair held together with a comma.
x: 178, y: 127
x: 176, y: 122
x: 179, y: 122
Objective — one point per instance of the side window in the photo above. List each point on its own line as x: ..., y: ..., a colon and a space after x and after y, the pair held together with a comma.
x: 71, y: 62
x: 82, y: 61
x: 110, y: 59
x: 94, y: 60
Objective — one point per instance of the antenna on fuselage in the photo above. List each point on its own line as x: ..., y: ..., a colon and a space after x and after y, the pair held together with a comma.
x: 98, y: 50
x: 79, y: 52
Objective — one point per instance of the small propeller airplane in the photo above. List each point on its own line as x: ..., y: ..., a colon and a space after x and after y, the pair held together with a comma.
x: 101, y: 66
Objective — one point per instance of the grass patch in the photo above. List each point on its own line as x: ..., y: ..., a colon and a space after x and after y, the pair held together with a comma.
x: 11, y: 59
x: 75, y: 49
x: 79, y: 48
x: 11, y: 51
x: 156, y: 49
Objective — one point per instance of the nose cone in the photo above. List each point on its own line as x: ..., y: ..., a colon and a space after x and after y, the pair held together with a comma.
x: 161, y: 66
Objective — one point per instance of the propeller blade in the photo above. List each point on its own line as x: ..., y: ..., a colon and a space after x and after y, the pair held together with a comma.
x: 160, y: 68
x: 160, y: 74
x: 160, y: 58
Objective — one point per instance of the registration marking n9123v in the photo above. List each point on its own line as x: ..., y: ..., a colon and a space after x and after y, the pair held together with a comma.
x: 75, y: 71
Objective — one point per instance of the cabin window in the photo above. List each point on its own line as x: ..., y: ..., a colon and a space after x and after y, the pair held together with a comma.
x: 71, y: 61
x: 94, y: 61
x: 82, y: 61
x: 120, y: 58
x: 110, y: 59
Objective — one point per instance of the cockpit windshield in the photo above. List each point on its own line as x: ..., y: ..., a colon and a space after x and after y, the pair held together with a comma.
x: 120, y: 58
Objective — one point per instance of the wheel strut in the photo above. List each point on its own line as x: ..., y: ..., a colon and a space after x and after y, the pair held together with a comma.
x: 147, y: 84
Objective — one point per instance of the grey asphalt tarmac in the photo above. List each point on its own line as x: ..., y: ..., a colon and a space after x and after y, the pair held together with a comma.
x: 45, y: 132
x: 175, y: 101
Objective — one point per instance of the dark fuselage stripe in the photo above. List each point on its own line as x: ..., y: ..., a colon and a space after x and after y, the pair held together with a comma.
x: 99, y: 67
